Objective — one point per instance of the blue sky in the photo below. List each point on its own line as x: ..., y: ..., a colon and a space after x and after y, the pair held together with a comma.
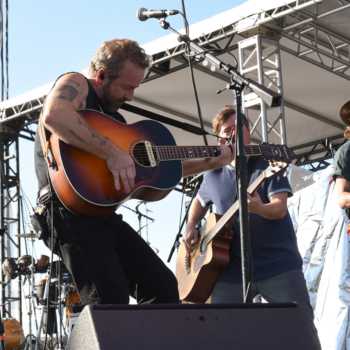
x: 48, y: 38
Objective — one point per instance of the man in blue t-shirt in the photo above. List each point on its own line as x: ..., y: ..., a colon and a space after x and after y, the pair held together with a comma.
x: 277, y: 266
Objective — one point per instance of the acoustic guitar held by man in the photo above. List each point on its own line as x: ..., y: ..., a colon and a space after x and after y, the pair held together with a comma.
x: 108, y: 260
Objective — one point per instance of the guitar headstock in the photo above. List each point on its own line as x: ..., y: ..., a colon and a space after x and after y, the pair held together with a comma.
x: 275, y: 168
x: 276, y: 152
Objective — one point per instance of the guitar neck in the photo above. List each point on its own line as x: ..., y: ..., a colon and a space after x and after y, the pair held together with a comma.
x: 198, y: 152
x: 225, y: 219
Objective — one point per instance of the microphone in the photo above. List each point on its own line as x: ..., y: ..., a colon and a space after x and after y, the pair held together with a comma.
x: 143, y: 14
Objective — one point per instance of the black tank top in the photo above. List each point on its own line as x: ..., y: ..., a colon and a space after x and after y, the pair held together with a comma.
x: 92, y: 102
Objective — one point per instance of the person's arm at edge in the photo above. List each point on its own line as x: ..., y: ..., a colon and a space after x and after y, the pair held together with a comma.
x: 343, y: 189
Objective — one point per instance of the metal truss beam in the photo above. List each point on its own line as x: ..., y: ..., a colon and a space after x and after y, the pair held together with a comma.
x: 10, y: 220
x: 314, y: 154
x: 316, y: 44
x: 240, y: 26
x: 157, y: 70
x: 259, y: 57
x: 20, y: 117
x: 227, y: 32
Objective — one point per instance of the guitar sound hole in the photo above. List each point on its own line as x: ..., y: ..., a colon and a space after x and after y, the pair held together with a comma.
x: 140, y: 154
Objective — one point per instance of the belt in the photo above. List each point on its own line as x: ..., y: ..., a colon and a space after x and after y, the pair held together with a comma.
x: 44, y: 191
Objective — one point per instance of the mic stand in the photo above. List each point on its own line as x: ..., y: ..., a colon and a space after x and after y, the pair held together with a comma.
x: 176, y: 243
x: 272, y: 99
x: 139, y: 216
x: 28, y: 339
x: 241, y: 179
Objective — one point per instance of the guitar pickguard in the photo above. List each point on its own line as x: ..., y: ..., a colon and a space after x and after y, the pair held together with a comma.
x: 198, y: 262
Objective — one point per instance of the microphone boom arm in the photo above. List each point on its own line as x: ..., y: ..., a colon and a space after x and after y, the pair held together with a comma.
x: 270, y: 97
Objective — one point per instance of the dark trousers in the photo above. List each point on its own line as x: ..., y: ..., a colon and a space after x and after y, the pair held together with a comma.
x: 108, y: 260
x: 286, y: 287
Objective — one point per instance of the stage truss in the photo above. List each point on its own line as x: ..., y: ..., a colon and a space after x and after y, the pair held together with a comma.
x: 297, y: 28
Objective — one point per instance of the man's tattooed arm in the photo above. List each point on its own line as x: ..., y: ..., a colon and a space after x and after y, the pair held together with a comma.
x: 76, y: 135
x: 66, y: 92
x: 103, y: 140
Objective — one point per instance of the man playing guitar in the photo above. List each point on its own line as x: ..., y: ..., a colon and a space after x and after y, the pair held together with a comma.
x: 277, y: 266
x: 108, y: 260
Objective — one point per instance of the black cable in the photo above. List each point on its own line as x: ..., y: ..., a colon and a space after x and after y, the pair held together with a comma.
x: 187, y: 28
x: 7, y: 50
x: 49, y: 277
x: 193, y: 81
x: 2, y: 51
x: 60, y: 303
x: 179, y: 235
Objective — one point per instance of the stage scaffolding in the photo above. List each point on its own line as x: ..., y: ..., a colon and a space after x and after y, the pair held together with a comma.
x: 10, y: 219
x: 11, y: 294
x: 296, y: 24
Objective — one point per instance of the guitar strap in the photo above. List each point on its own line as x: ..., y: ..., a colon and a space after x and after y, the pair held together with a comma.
x: 45, y: 145
x: 165, y: 120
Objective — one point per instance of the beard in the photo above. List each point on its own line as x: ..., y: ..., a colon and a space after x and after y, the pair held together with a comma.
x: 109, y: 103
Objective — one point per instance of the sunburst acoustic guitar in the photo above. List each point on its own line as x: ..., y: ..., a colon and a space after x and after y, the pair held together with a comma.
x: 85, y: 185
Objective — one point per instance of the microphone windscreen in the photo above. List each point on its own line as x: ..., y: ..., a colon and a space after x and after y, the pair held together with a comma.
x: 139, y: 14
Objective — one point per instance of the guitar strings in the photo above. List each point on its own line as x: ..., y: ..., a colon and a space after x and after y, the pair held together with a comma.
x: 178, y: 151
x: 201, y: 147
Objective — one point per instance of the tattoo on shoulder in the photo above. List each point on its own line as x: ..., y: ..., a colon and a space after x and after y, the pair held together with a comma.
x: 77, y: 136
x: 66, y: 92
x: 102, y: 140
x: 72, y: 81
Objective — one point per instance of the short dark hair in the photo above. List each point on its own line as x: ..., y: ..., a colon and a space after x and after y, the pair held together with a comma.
x: 223, y: 115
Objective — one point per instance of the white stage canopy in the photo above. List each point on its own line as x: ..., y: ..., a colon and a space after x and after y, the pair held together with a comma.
x: 312, y: 37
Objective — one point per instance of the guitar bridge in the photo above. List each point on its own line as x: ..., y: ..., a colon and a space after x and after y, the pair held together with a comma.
x: 150, y: 154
